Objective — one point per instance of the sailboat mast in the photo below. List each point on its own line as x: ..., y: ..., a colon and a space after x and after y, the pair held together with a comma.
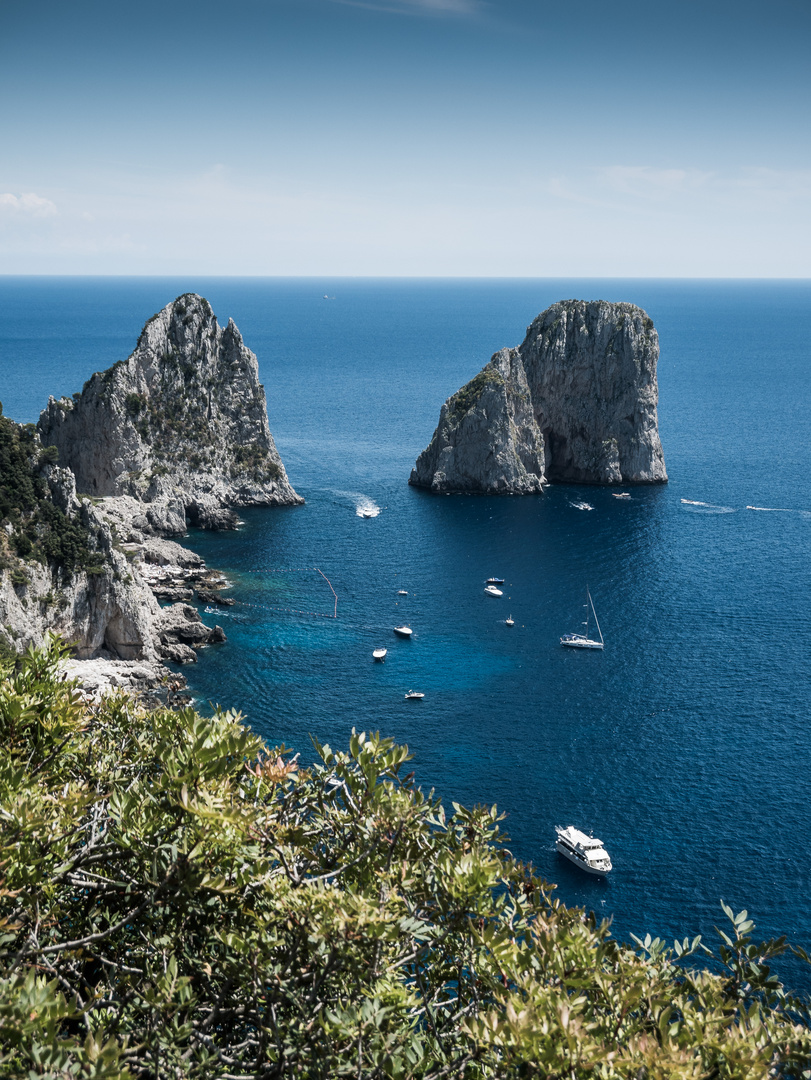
x: 599, y: 631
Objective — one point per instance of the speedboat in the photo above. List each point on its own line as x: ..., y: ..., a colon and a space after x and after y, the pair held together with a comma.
x: 402, y: 592
x: 495, y: 581
x: 403, y: 631
x: 379, y: 654
x: 367, y: 513
x: 621, y: 494
x: 491, y: 590
x: 587, y: 852
x: 412, y: 695
x: 510, y: 621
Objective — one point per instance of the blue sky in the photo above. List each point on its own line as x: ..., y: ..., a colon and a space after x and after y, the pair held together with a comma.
x: 406, y: 137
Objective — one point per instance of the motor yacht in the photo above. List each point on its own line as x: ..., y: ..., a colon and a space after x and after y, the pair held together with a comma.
x: 587, y: 852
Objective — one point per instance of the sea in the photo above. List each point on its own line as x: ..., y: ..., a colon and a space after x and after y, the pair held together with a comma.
x: 686, y: 744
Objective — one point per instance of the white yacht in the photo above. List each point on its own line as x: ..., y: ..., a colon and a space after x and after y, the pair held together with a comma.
x: 584, y: 851
x: 491, y: 590
x: 510, y: 621
x: 414, y: 695
x: 403, y: 631
x: 379, y: 654
x: 583, y: 641
x: 402, y: 592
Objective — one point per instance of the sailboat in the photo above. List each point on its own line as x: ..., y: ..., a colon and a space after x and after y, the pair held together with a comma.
x: 583, y: 641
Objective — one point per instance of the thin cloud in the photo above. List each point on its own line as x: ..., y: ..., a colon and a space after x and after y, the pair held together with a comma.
x: 419, y: 7
x: 655, y: 184
x: 26, y: 205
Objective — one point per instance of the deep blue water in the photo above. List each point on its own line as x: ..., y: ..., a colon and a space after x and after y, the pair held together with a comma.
x: 686, y: 744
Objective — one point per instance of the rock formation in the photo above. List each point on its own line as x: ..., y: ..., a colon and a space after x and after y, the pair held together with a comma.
x: 70, y: 567
x: 181, y: 425
x: 575, y: 403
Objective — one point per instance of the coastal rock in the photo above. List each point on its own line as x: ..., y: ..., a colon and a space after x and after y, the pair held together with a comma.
x: 99, y: 677
x: 575, y: 403
x: 104, y: 609
x: 180, y: 426
x: 207, y: 597
x: 487, y: 439
x: 181, y: 624
x: 65, y: 569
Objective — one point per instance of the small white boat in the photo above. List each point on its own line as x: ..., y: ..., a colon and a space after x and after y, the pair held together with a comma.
x: 403, y: 631
x: 587, y: 852
x: 367, y: 513
x: 402, y: 592
x: 491, y: 590
x: 510, y: 621
x: 379, y: 654
x: 583, y: 641
x: 412, y: 695
x: 495, y: 581
x: 621, y: 494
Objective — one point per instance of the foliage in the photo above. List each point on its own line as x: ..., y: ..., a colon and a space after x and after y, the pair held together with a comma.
x: 179, y: 902
x: 463, y: 400
x: 40, y: 530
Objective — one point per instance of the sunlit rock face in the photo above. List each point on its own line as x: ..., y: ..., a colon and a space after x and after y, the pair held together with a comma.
x: 181, y: 425
x: 575, y: 403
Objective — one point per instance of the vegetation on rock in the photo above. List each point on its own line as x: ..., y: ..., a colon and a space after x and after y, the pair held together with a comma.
x: 463, y: 400
x: 178, y: 901
x: 34, y: 528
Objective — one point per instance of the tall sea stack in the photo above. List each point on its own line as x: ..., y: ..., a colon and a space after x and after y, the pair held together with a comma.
x: 575, y: 403
x: 181, y: 425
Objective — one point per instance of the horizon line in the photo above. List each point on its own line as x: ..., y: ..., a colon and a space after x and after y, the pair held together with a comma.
x: 417, y: 277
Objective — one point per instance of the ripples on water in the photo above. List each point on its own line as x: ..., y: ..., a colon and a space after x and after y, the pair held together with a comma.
x: 686, y: 744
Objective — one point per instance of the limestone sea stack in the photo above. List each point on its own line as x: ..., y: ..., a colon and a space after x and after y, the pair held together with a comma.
x: 181, y: 425
x: 575, y: 403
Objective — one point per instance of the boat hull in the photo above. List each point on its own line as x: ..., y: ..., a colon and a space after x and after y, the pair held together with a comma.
x: 581, y: 643
x: 581, y: 864
x: 402, y: 631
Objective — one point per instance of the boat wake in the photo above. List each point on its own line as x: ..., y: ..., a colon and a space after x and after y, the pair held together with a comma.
x: 581, y: 506
x: 365, y: 507
x: 696, y: 507
x: 780, y: 510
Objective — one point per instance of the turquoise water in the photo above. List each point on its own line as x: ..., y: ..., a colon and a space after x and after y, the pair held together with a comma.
x: 686, y: 744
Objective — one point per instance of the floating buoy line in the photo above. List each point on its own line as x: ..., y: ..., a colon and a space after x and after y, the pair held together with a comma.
x: 295, y: 611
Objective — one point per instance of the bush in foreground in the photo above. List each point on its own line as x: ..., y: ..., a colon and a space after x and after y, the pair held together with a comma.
x: 176, y: 901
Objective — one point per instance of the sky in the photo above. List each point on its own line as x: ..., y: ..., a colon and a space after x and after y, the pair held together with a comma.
x: 492, y: 138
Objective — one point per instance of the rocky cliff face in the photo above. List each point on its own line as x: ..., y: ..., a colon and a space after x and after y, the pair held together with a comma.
x: 575, y: 403
x: 74, y: 581
x: 85, y: 571
x: 181, y: 425
x: 487, y: 438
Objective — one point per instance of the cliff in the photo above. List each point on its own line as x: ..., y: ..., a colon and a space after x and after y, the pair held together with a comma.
x: 181, y: 425
x: 61, y: 568
x: 83, y: 570
x: 487, y: 438
x: 574, y: 403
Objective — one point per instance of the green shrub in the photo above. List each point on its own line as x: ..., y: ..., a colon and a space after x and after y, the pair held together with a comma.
x: 133, y: 404
x: 179, y: 901
x: 49, y: 455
